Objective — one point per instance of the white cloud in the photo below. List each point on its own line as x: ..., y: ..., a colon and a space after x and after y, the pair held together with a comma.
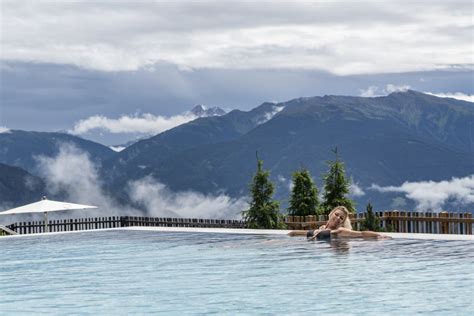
x: 455, y: 95
x: 286, y: 182
x: 431, y: 195
x: 72, y: 173
x: 3, y: 129
x: 269, y: 115
x: 145, y: 123
x: 115, y: 36
x: 375, y: 91
x: 369, y: 92
x: 355, y: 190
x: 396, y: 88
x: 160, y: 201
x: 281, y: 178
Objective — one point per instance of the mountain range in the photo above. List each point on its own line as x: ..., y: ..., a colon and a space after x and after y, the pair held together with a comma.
x: 23, y: 148
x: 384, y: 141
x: 197, y: 112
x: 18, y: 187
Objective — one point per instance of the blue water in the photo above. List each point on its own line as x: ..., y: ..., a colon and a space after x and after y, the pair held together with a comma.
x: 119, y: 272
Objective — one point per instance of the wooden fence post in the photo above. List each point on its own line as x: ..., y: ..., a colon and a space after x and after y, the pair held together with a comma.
x: 417, y: 222
x: 469, y: 225
x: 444, y: 224
x: 452, y: 224
x: 396, y: 221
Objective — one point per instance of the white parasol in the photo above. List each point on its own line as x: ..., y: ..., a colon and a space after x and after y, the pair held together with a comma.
x: 44, y: 206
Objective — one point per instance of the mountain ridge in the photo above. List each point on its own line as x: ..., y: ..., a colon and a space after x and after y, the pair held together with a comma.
x: 405, y: 136
x: 386, y: 141
x: 20, y: 148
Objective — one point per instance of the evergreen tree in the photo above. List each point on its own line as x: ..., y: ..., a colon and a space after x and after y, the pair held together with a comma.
x: 263, y: 211
x: 371, y: 221
x: 304, y: 195
x: 336, y: 186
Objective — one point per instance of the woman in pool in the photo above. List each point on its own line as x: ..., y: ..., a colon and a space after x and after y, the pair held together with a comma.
x: 338, y: 225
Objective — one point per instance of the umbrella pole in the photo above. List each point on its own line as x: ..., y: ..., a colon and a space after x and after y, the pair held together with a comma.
x: 46, y: 230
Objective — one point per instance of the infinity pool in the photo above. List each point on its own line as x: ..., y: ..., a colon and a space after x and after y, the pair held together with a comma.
x: 123, y: 272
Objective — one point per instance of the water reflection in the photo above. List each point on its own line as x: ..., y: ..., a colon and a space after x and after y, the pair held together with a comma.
x: 340, y: 246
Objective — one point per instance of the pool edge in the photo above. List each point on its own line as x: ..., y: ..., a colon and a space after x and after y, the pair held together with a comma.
x: 245, y: 232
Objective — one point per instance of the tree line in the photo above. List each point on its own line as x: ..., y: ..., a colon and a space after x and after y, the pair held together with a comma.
x: 264, y: 211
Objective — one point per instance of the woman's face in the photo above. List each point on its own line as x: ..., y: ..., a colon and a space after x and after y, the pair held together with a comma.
x: 336, y: 219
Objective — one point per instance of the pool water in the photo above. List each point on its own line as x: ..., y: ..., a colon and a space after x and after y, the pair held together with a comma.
x: 123, y: 272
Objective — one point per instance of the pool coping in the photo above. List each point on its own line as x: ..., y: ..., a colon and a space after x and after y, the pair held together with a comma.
x: 244, y: 232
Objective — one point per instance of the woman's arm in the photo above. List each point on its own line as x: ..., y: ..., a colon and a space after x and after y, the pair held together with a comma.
x: 344, y: 232
x: 297, y: 233
x: 305, y: 232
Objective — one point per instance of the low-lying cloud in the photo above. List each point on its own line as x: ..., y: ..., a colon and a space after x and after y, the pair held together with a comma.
x: 390, y: 88
x: 431, y: 195
x: 269, y: 115
x: 72, y: 174
x: 145, y: 123
x: 454, y: 95
x: 159, y: 200
x: 375, y: 91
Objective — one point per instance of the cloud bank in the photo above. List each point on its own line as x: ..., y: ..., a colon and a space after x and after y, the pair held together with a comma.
x: 353, y: 38
x: 72, y: 174
x: 454, y: 95
x: 375, y: 91
x: 160, y: 201
x: 145, y: 123
x: 431, y: 195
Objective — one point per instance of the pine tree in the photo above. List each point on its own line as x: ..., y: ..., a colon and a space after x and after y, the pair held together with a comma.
x: 304, y: 195
x: 336, y: 186
x: 263, y: 211
x: 371, y: 221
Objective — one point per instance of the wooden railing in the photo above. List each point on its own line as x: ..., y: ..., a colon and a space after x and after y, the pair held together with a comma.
x: 120, y: 221
x: 390, y: 221
x: 400, y: 222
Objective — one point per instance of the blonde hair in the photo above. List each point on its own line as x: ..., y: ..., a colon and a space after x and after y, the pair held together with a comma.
x: 347, y: 221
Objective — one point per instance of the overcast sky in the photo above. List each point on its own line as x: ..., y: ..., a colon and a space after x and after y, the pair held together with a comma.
x: 66, y: 61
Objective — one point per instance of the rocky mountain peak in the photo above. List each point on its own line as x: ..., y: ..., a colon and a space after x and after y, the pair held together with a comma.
x: 202, y: 111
